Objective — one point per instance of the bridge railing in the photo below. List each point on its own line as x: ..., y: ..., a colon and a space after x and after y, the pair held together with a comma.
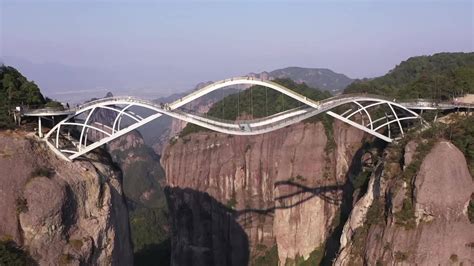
x: 260, y: 119
x: 286, y: 121
x: 208, y: 119
x: 430, y: 103
x: 237, y: 124
x: 350, y: 96
x: 246, y: 121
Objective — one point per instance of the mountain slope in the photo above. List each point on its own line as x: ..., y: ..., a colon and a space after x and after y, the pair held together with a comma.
x: 440, y: 76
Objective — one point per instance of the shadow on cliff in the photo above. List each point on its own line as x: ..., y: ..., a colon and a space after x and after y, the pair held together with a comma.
x: 204, y: 231
x: 154, y: 254
x: 326, y: 193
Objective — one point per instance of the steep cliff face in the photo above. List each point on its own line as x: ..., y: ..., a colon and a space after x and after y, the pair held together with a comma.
x: 422, y: 222
x: 283, y: 188
x: 61, y: 212
x: 143, y: 182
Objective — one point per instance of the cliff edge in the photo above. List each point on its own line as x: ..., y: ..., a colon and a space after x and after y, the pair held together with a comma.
x: 61, y: 212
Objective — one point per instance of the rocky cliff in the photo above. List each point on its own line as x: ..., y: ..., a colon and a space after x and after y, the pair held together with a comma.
x: 415, y: 211
x: 283, y: 189
x: 61, y: 212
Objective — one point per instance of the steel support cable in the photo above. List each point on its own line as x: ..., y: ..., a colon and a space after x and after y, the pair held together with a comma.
x: 266, y: 101
x: 251, y: 101
x: 238, y: 105
x: 282, y: 103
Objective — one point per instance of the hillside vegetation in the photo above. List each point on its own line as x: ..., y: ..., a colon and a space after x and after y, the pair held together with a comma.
x: 258, y: 102
x: 16, y: 90
x: 440, y: 77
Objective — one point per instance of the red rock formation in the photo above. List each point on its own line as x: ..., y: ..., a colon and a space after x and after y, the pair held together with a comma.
x: 285, y: 187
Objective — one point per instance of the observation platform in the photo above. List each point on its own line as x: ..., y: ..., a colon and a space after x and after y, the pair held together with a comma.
x: 47, y: 113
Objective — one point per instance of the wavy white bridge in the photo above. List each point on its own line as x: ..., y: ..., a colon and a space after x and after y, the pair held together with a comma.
x: 373, y: 114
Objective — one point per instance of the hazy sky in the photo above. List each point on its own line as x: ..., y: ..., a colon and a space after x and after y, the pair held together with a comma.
x: 173, y: 45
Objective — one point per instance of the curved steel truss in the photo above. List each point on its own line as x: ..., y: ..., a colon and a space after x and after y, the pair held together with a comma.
x: 84, y: 131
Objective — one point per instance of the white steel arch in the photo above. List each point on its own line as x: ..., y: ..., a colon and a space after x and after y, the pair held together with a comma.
x: 241, y: 81
x: 70, y: 149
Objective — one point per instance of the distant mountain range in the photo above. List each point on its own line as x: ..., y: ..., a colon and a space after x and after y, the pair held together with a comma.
x: 321, y: 78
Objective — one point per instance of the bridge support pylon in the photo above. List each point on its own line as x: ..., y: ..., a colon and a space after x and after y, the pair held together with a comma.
x: 40, y: 131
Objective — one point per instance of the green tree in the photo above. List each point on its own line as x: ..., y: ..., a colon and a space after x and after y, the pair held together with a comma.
x: 10, y: 254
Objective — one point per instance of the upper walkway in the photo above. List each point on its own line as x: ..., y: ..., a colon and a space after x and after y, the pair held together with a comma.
x: 48, y: 112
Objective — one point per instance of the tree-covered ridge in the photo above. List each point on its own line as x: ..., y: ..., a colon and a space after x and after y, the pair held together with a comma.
x: 258, y: 102
x: 16, y: 90
x: 440, y: 76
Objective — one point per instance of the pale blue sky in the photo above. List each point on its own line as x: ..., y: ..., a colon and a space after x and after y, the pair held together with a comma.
x: 173, y: 45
